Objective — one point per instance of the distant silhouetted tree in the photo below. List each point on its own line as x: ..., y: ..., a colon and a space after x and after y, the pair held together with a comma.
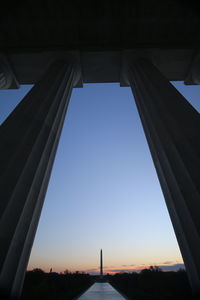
x: 38, y: 271
x: 39, y: 285
x: 153, y: 283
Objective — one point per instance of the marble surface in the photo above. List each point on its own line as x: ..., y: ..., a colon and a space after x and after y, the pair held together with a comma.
x: 101, y: 291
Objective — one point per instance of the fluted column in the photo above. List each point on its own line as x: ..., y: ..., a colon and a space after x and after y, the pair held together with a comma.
x: 172, y: 128
x: 7, y: 76
x: 28, y: 142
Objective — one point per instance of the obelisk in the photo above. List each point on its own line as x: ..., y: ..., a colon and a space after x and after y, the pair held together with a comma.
x: 101, y: 263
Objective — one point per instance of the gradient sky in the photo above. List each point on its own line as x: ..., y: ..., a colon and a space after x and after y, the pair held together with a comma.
x: 103, y: 192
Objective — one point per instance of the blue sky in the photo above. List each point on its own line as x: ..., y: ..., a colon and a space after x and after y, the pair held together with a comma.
x: 103, y: 192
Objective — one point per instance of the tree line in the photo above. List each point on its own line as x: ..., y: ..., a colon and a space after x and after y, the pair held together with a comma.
x: 153, y: 284
x: 148, y: 284
x: 39, y: 285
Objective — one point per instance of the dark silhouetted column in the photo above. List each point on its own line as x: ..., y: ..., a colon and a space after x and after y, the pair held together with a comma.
x: 172, y: 128
x: 7, y: 76
x: 28, y: 142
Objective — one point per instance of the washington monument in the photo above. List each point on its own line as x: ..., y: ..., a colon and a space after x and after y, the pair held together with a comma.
x: 101, y: 263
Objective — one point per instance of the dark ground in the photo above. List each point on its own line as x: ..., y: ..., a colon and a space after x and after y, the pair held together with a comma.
x: 149, y: 284
x: 153, y: 284
x: 39, y: 285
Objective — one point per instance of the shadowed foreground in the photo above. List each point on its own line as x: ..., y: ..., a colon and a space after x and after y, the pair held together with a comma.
x: 153, y: 284
x: 149, y: 284
x: 53, y: 286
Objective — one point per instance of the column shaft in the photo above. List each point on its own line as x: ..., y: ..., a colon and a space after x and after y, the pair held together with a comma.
x: 172, y: 128
x: 29, y: 138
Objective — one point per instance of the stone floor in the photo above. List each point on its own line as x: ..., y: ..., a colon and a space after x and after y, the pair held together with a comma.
x: 101, y: 291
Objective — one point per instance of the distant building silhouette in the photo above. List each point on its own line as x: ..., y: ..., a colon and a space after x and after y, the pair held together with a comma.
x: 101, y: 263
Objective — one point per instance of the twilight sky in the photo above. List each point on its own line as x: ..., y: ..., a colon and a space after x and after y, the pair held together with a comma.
x: 103, y: 192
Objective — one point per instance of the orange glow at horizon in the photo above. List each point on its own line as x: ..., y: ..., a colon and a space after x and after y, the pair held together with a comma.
x: 112, y: 269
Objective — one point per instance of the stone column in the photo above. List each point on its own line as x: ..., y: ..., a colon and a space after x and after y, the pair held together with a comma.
x: 7, y: 76
x: 29, y: 138
x: 172, y: 128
